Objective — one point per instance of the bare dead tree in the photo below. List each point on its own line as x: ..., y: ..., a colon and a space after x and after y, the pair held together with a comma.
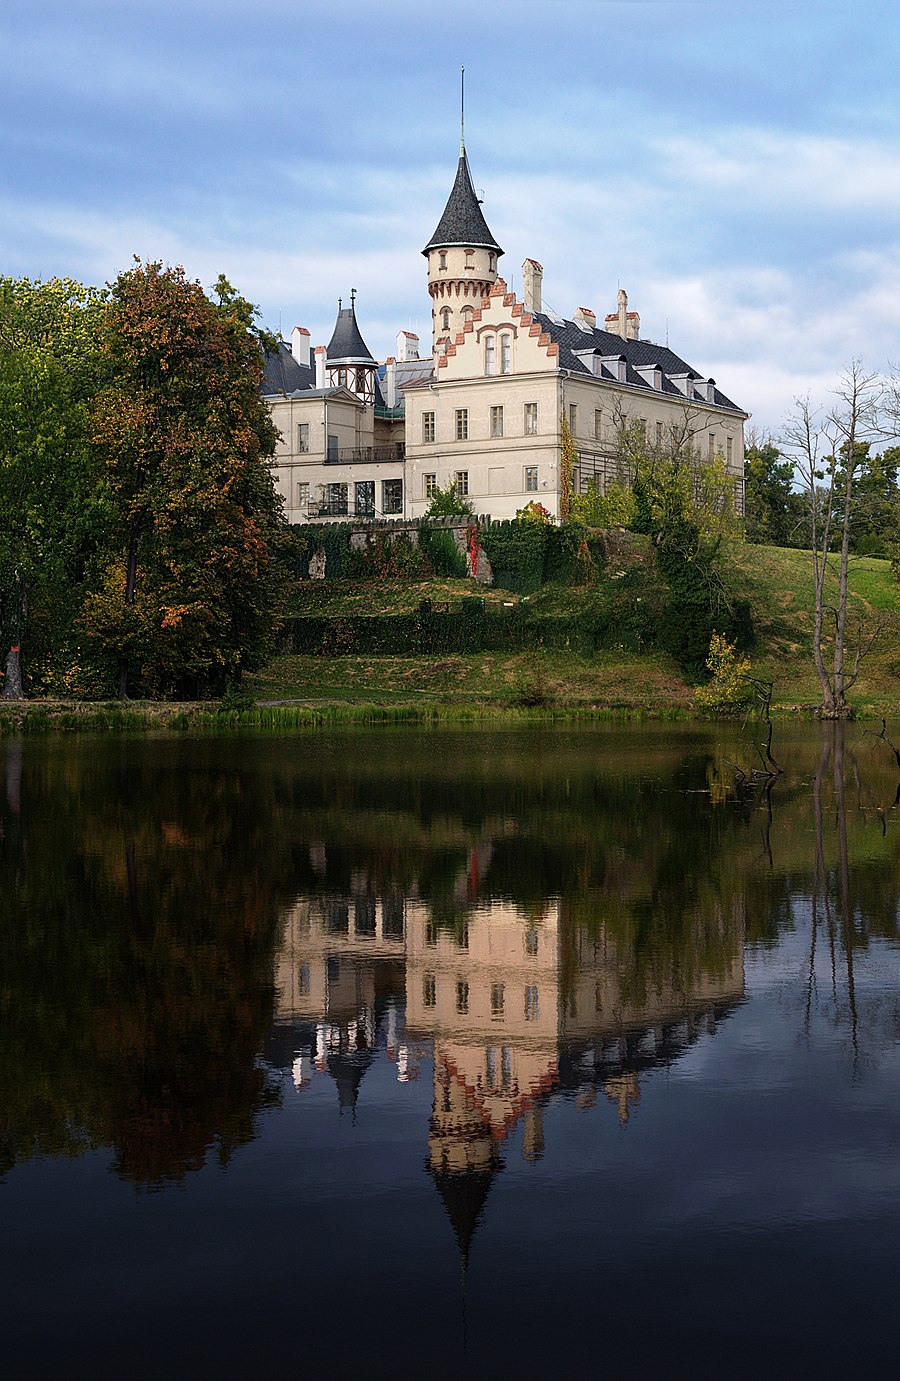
x: 827, y: 451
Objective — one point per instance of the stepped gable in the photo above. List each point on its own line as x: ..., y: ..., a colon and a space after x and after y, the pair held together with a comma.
x: 282, y: 373
x: 347, y: 345
x: 570, y: 337
x: 462, y: 222
x: 528, y: 321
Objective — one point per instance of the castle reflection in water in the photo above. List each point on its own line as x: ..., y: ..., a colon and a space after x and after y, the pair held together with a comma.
x: 515, y: 1007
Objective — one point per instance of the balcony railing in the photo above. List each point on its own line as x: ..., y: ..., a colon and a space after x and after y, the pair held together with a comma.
x: 366, y: 455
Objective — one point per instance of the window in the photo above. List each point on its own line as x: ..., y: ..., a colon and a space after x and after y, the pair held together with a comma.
x: 364, y: 916
x: 392, y: 496
x: 641, y: 425
x: 428, y: 990
x: 573, y: 417
x: 462, y: 996
x: 489, y: 354
x: 531, y: 419
x: 431, y: 931
x: 729, y: 449
x: 342, y: 378
x: 304, y: 980
x: 531, y: 1003
x: 712, y: 445
x: 303, y: 437
x: 445, y: 318
x: 531, y: 941
x: 332, y: 448
x: 492, y: 261
x: 302, y: 493
x: 498, y: 997
x: 461, y: 483
x: 659, y: 434
x: 365, y: 498
x: 362, y: 381
x: 336, y: 498
x: 470, y: 258
x: 497, y: 421
x: 598, y: 423
x: 505, y: 346
x: 531, y: 479
x: 427, y: 427
x: 462, y: 424
x: 461, y: 935
x: 430, y: 484
x: 490, y: 1066
x: 442, y: 259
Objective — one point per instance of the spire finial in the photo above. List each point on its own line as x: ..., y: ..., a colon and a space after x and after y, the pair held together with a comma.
x: 353, y: 299
x: 462, y: 111
x: 340, y: 303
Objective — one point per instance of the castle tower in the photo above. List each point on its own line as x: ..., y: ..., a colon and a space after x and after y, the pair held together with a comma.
x: 348, y: 359
x: 462, y: 259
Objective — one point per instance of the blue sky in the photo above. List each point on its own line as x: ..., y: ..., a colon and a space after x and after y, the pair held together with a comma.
x: 735, y: 166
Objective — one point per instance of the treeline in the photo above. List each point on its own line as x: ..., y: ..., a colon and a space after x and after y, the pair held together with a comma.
x: 777, y: 514
x: 140, y: 531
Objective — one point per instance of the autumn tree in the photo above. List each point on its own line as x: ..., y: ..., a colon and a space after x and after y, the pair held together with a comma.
x: 49, y: 368
x: 189, y: 595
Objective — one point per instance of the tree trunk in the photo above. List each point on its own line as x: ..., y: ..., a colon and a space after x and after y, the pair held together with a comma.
x: 12, y: 682
x: 130, y: 585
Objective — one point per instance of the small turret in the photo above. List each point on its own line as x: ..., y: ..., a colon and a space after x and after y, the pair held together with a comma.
x: 349, y: 361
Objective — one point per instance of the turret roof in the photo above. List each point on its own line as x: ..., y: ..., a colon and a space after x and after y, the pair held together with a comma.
x: 347, y: 345
x: 462, y: 222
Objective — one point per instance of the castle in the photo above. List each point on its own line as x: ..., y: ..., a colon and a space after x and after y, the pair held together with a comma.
x: 485, y: 411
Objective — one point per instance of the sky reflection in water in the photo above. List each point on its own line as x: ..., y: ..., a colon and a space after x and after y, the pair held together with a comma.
x: 484, y: 1053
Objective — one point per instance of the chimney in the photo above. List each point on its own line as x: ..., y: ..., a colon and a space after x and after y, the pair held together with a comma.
x: 407, y: 346
x: 622, y: 305
x: 532, y: 278
x: 320, y: 366
x: 622, y: 322
x: 300, y: 345
x: 390, y: 381
x: 585, y: 315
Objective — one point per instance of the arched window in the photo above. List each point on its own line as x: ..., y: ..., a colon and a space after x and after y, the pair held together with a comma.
x: 489, y: 354
x: 445, y: 319
x: 505, y: 351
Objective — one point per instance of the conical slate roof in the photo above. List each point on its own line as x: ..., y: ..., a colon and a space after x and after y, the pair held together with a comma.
x: 347, y: 345
x: 462, y: 222
x: 464, y: 1193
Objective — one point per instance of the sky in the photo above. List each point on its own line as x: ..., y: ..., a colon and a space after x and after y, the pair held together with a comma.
x: 733, y: 164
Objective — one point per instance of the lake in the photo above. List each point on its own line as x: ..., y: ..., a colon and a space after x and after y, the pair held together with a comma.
x: 480, y: 1052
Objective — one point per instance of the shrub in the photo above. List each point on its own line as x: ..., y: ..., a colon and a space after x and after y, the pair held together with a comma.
x: 614, y: 508
x: 730, y: 687
x: 442, y: 553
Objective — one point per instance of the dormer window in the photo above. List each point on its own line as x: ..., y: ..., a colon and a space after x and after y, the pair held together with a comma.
x: 489, y: 349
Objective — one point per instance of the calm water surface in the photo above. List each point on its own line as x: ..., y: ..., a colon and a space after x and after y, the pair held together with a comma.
x: 482, y: 1053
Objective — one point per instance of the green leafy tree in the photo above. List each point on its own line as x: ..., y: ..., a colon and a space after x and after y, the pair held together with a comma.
x: 448, y: 503
x: 774, y: 512
x: 49, y: 368
x: 192, y: 587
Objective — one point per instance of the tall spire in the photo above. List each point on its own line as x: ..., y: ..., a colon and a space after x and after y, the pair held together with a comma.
x: 462, y: 111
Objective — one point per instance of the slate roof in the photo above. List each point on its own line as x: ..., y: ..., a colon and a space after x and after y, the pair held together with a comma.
x: 282, y: 373
x: 462, y: 222
x: 347, y: 345
x: 571, y: 338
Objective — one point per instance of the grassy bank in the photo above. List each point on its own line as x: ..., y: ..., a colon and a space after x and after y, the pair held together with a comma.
x: 298, y: 691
